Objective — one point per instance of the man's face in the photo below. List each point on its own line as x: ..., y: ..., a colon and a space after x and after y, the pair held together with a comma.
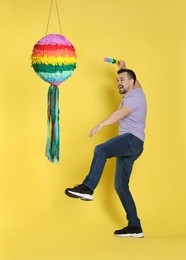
x: 124, y: 83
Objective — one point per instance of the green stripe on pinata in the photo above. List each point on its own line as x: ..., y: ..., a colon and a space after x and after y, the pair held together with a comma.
x: 51, y: 68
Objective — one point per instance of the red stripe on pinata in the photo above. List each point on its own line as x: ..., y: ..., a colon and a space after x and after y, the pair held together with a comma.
x: 54, y: 47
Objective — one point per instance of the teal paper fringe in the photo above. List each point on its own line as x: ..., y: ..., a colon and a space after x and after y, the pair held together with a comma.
x: 52, y: 146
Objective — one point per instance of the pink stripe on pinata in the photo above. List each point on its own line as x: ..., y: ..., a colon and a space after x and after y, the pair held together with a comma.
x: 54, y: 39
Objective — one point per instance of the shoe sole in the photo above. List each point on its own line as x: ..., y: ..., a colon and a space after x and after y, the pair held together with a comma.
x: 135, y: 235
x: 77, y: 195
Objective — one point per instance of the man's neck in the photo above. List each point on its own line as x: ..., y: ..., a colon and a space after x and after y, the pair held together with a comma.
x: 131, y: 89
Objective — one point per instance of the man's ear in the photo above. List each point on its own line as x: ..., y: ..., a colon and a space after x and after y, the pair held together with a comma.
x: 132, y: 81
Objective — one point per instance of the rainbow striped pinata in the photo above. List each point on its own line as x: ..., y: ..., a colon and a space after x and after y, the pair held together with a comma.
x: 54, y: 60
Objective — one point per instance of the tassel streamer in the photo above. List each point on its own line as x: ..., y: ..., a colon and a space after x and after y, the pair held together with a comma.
x: 52, y: 147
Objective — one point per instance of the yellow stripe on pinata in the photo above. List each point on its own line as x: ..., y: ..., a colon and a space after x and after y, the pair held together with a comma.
x: 53, y: 60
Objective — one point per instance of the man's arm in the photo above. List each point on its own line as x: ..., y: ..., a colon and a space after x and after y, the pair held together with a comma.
x: 113, y: 118
x: 122, y: 65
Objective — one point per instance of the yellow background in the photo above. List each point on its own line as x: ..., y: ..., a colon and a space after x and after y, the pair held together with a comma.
x: 37, y: 220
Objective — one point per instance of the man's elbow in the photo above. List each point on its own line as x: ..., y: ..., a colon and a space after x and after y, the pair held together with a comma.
x: 120, y: 116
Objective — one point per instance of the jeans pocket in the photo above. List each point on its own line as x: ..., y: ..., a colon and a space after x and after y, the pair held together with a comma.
x: 137, y: 145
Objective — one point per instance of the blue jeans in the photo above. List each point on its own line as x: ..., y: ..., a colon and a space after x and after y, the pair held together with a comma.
x: 127, y: 148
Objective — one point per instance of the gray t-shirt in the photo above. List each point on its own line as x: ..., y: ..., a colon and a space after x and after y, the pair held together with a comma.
x: 134, y: 123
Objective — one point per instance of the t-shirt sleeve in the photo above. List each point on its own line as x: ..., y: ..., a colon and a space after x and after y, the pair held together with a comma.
x: 131, y: 102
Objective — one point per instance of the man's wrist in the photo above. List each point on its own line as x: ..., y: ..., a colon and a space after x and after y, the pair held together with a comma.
x: 101, y: 125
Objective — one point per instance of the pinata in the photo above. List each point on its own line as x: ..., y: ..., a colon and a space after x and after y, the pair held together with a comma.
x: 54, y: 60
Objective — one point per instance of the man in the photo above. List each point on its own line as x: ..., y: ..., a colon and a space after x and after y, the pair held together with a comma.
x: 126, y: 147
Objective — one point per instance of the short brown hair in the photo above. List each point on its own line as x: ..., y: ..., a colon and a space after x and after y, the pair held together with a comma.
x: 129, y: 72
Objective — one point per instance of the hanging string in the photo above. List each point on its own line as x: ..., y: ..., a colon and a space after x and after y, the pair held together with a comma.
x: 58, y: 17
x: 50, y: 16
